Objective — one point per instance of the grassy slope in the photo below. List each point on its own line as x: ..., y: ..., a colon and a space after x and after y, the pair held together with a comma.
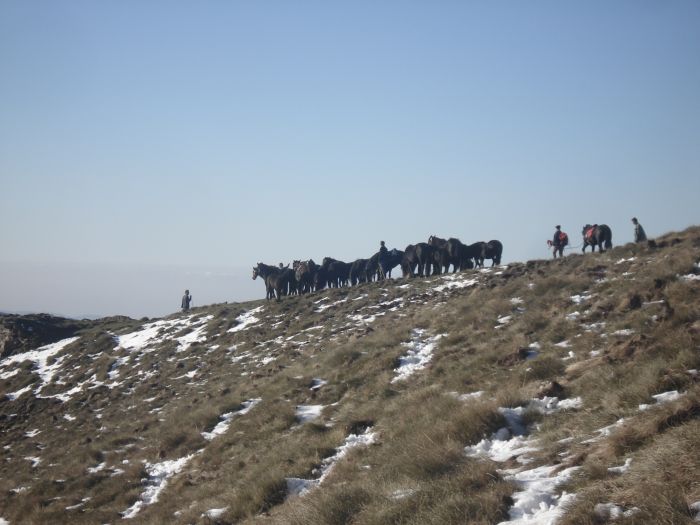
x: 160, y: 408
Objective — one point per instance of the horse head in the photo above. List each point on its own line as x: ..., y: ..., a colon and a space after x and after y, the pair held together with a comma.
x: 256, y: 271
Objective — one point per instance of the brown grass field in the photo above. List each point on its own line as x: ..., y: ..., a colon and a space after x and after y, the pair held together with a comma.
x: 611, y: 330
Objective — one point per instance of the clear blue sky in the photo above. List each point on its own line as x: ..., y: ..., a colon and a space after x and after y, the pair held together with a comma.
x: 181, y: 138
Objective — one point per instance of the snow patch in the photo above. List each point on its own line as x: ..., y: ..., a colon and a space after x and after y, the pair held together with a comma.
x: 665, y: 397
x: 537, y: 501
x: 331, y: 305
x: 246, y: 320
x: 158, y: 473
x: 420, y: 353
x: 223, y: 426
x: 299, y: 487
x: 581, y: 298
x: 305, y: 413
x: 40, y: 358
x: 12, y: 396
x: 622, y: 468
x: 317, y: 383
x: 468, y: 397
x: 610, y: 511
x: 623, y: 333
x: 214, y: 513
x: 605, y: 431
x: 455, y: 282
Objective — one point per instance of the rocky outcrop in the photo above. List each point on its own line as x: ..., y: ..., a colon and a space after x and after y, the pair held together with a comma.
x: 21, y: 333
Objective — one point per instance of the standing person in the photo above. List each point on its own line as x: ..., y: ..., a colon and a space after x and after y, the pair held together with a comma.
x: 558, y: 242
x: 639, y: 234
x: 383, y: 259
x: 186, y: 300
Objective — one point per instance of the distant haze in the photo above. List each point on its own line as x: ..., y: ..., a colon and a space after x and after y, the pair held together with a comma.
x: 98, y: 290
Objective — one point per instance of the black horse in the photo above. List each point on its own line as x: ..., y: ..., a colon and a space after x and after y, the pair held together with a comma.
x: 372, y: 268
x: 337, y: 272
x: 276, y: 280
x: 358, y: 272
x: 492, y: 250
x: 448, y: 252
x: 393, y: 260
x: 474, y: 252
x: 425, y: 255
x: 305, y: 272
x: 409, y: 261
x: 597, y: 234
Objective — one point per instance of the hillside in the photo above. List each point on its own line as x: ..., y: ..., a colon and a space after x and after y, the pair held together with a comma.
x: 554, y: 389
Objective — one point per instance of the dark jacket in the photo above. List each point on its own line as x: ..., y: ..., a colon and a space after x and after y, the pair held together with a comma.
x: 556, y: 240
x: 186, y: 299
x: 639, y: 234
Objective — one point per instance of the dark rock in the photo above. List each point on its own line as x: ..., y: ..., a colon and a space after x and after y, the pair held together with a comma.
x: 554, y: 389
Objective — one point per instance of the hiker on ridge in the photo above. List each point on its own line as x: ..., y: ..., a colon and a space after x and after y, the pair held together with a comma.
x: 639, y: 234
x: 558, y: 242
x: 186, y: 300
x: 383, y: 259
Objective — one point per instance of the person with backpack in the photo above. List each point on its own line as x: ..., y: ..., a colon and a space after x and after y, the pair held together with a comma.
x: 559, y: 241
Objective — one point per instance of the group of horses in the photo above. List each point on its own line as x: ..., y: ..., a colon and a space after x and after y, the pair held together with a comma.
x: 422, y: 259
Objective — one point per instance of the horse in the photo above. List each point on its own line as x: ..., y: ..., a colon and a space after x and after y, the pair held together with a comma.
x: 372, y: 268
x: 320, y: 278
x: 474, y: 252
x: 394, y: 258
x: 337, y: 272
x: 442, y: 252
x: 596, y: 234
x: 290, y: 277
x: 492, y: 250
x: 275, y: 280
x: 304, y: 271
x: 425, y: 254
x: 409, y: 261
x: 357, y: 272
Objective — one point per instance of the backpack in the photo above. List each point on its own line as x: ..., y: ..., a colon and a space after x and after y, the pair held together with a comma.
x: 563, y: 239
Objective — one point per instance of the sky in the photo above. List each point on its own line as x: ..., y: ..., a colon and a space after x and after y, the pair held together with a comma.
x: 149, y: 147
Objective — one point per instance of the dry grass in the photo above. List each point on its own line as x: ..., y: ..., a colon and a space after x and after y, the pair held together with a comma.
x: 416, y: 472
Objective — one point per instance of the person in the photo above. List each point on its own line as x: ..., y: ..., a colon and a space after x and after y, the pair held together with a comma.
x: 186, y: 300
x: 639, y: 234
x: 558, y: 242
x: 383, y: 259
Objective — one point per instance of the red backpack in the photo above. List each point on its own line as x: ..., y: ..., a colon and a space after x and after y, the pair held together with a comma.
x: 563, y: 239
